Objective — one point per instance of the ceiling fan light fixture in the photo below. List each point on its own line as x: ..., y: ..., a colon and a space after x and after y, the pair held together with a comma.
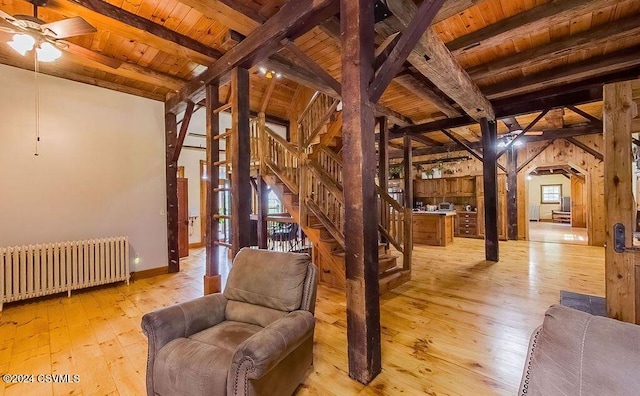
x: 22, y: 43
x: 47, y: 52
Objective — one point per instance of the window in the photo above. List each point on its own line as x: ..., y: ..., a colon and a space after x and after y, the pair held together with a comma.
x: 550, y: 193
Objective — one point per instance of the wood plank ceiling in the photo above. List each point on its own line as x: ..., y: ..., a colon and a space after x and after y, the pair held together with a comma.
x: 507, y: 47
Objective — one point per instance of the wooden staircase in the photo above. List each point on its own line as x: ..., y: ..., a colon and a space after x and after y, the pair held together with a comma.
x: 308, y: 180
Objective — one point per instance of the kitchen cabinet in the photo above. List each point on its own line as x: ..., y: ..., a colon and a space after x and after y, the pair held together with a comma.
x: 433, y: 228
x: 445, y: 187
x: 467, y: 224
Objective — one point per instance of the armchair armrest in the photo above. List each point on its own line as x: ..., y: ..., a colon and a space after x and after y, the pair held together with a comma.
x: 264, y: 350
x: 180, y: 320
x: 183, y: 320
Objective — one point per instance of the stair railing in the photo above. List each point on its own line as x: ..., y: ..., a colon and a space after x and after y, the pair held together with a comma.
x: 324, y: 198
x: 396, y: 225
x: 315, y: 117
x: 330, y: 162
x: 282, y: 157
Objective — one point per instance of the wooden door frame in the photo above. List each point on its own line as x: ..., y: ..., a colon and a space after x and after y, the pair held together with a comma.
x: 587, y: 176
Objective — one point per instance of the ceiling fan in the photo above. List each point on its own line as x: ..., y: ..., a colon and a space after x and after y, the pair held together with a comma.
x: 48, y: 38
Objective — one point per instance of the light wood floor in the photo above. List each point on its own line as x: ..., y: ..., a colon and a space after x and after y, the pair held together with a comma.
x: 541, y: 231
x: 459, y: 327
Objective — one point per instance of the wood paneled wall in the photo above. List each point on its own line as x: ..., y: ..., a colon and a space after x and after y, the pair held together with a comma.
x: 561, y: 152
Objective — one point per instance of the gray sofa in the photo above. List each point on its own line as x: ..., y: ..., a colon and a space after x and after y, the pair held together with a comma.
x: 574, y: 353
x: 256, y: 338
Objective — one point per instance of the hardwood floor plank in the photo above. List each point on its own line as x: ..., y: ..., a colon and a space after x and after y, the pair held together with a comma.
x: 461, y: 325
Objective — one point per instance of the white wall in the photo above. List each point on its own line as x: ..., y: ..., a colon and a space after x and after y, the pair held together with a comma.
x: 534, y: 192
x: 100, y: 172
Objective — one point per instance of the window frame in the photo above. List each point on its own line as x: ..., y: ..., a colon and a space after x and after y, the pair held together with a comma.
x: 549, y: 202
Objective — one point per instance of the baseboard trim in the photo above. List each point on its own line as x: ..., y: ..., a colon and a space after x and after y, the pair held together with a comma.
x: 150, y: 273
x: 196, y: 245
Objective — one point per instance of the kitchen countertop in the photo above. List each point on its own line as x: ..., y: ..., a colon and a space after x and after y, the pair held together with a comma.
x: 436, y: 212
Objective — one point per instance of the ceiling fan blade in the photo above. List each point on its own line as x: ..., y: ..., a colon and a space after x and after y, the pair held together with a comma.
x: 94, y: 56
x: 533, y: 133
x: 69, y: 27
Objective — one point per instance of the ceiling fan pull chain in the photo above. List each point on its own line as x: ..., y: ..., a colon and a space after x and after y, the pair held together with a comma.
x: 37, y: 107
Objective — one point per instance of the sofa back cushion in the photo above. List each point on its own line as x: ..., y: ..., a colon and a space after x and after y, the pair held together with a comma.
x: 577, y: 353
x: 273, y: 280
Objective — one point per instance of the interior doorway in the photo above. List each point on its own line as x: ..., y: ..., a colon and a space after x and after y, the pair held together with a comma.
x: 557, y: 197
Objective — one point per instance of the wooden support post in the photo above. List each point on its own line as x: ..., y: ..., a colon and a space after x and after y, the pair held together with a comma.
x: 240, y: 162
x: 490, y: 180
x: 263, y: 207
x: 620, y: 206
x: 361, y: 259
x: 171, y: 166
x: 383, y: 165
x: 408, y: 203
x: 408, y: 173
x: 183, y: 130
x: 212, y: 280
x: 512, y: 193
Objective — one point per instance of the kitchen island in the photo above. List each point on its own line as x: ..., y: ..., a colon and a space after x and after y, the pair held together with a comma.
x: 433, y: 228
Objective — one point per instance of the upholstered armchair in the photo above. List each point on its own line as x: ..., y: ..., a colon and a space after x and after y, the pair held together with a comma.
x: 256, y: 338
x: 575, y: 353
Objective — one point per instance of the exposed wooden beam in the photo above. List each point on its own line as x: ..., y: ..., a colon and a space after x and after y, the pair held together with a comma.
x: 263, y: 209
x: 240, y: 162
x: 620, y: 272
x: 171, y: 177
x: 537, y: 153
x: 332, y: 28
x: 232, y: 14
x: 555, y: 117
x: 361, y: 250
x: 573, y: 72
x: 433, y: 126
x: 462, y: 144
x: 523, y: 133
x: 383, y: 154
x: 512, y: 194
x: 64, y: 68
x: 422, y: 91
x: 267, y: 95
x: 519, y: 105
x: 183, y: 130
x: 146, y: 31
x: 425, y: 140
x: 293, y: 19
x: 433, y: 60
x: 585, y: 147
x: 313, y: 66
x: 535, y: 19
x: 384, y: 50
x: 414, y: 27
x: 586, y: 115
x: 212, y: 279
x: 490, y: 182
x: 607, y: 33
x: 548, y: 134
x: 511, y: 123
